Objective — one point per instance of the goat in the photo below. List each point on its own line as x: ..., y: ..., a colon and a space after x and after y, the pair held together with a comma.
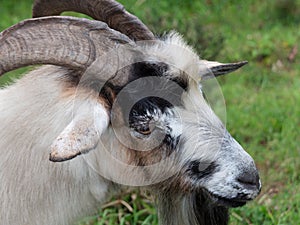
x: 113, y: 106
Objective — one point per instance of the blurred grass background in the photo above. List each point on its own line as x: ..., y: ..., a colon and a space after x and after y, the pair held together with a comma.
x: 263, y: 99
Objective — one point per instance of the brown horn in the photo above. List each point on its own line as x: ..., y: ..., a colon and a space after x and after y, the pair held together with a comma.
x: 65, y: 41
x: 108, y: 11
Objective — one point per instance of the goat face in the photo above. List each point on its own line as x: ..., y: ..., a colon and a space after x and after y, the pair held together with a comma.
x: 163, y: 133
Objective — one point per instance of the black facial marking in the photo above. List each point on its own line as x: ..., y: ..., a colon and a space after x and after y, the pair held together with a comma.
x: 200, y: 171
x: 148, y: 110
x: 182, y: 82
x: 161, y: 93
x: 159, y: 69
x: 150, y: 104
x: 143, y: 111
x: 171, y: 141
x: 146, y: 69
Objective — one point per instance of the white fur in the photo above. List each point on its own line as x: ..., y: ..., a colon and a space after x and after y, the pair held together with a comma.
x: 34, y: 190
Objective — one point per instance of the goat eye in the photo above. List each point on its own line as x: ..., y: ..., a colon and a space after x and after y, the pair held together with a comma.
x: 145, y: 128
x: 144, y: 132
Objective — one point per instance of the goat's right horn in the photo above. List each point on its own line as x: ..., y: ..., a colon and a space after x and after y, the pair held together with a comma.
x: 211, y: 69
x: 108, y: 11
x: 65, y: 41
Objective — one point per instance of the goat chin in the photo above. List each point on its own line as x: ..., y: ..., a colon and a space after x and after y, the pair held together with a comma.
x: 195, y: 208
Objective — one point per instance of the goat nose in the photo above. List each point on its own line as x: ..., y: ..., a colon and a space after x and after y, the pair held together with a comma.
x: 250, y: 180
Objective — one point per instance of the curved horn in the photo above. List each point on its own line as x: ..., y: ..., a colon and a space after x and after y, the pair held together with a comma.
x: 108, y: 11
x: 64, y: 41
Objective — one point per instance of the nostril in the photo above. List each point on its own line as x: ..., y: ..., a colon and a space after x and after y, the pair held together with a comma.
x: 249, y: 180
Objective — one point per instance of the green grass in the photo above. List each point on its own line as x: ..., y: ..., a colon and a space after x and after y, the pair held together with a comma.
x: 135, y: 209
x: 262, y: 99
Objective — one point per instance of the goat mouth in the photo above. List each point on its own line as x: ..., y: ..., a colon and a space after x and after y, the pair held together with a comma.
x: 228, y: 202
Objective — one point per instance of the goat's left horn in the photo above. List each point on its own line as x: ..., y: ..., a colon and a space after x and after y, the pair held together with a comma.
x: 210, y: 69
x: 108, y: 11
x: 64, y: 41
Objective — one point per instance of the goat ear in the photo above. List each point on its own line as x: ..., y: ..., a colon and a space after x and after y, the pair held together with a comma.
x: 210, y: 69
x: 80, y: 136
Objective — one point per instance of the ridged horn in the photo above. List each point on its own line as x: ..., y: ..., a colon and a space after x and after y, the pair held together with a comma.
x: 108, y: 11
x: 65, y: 41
